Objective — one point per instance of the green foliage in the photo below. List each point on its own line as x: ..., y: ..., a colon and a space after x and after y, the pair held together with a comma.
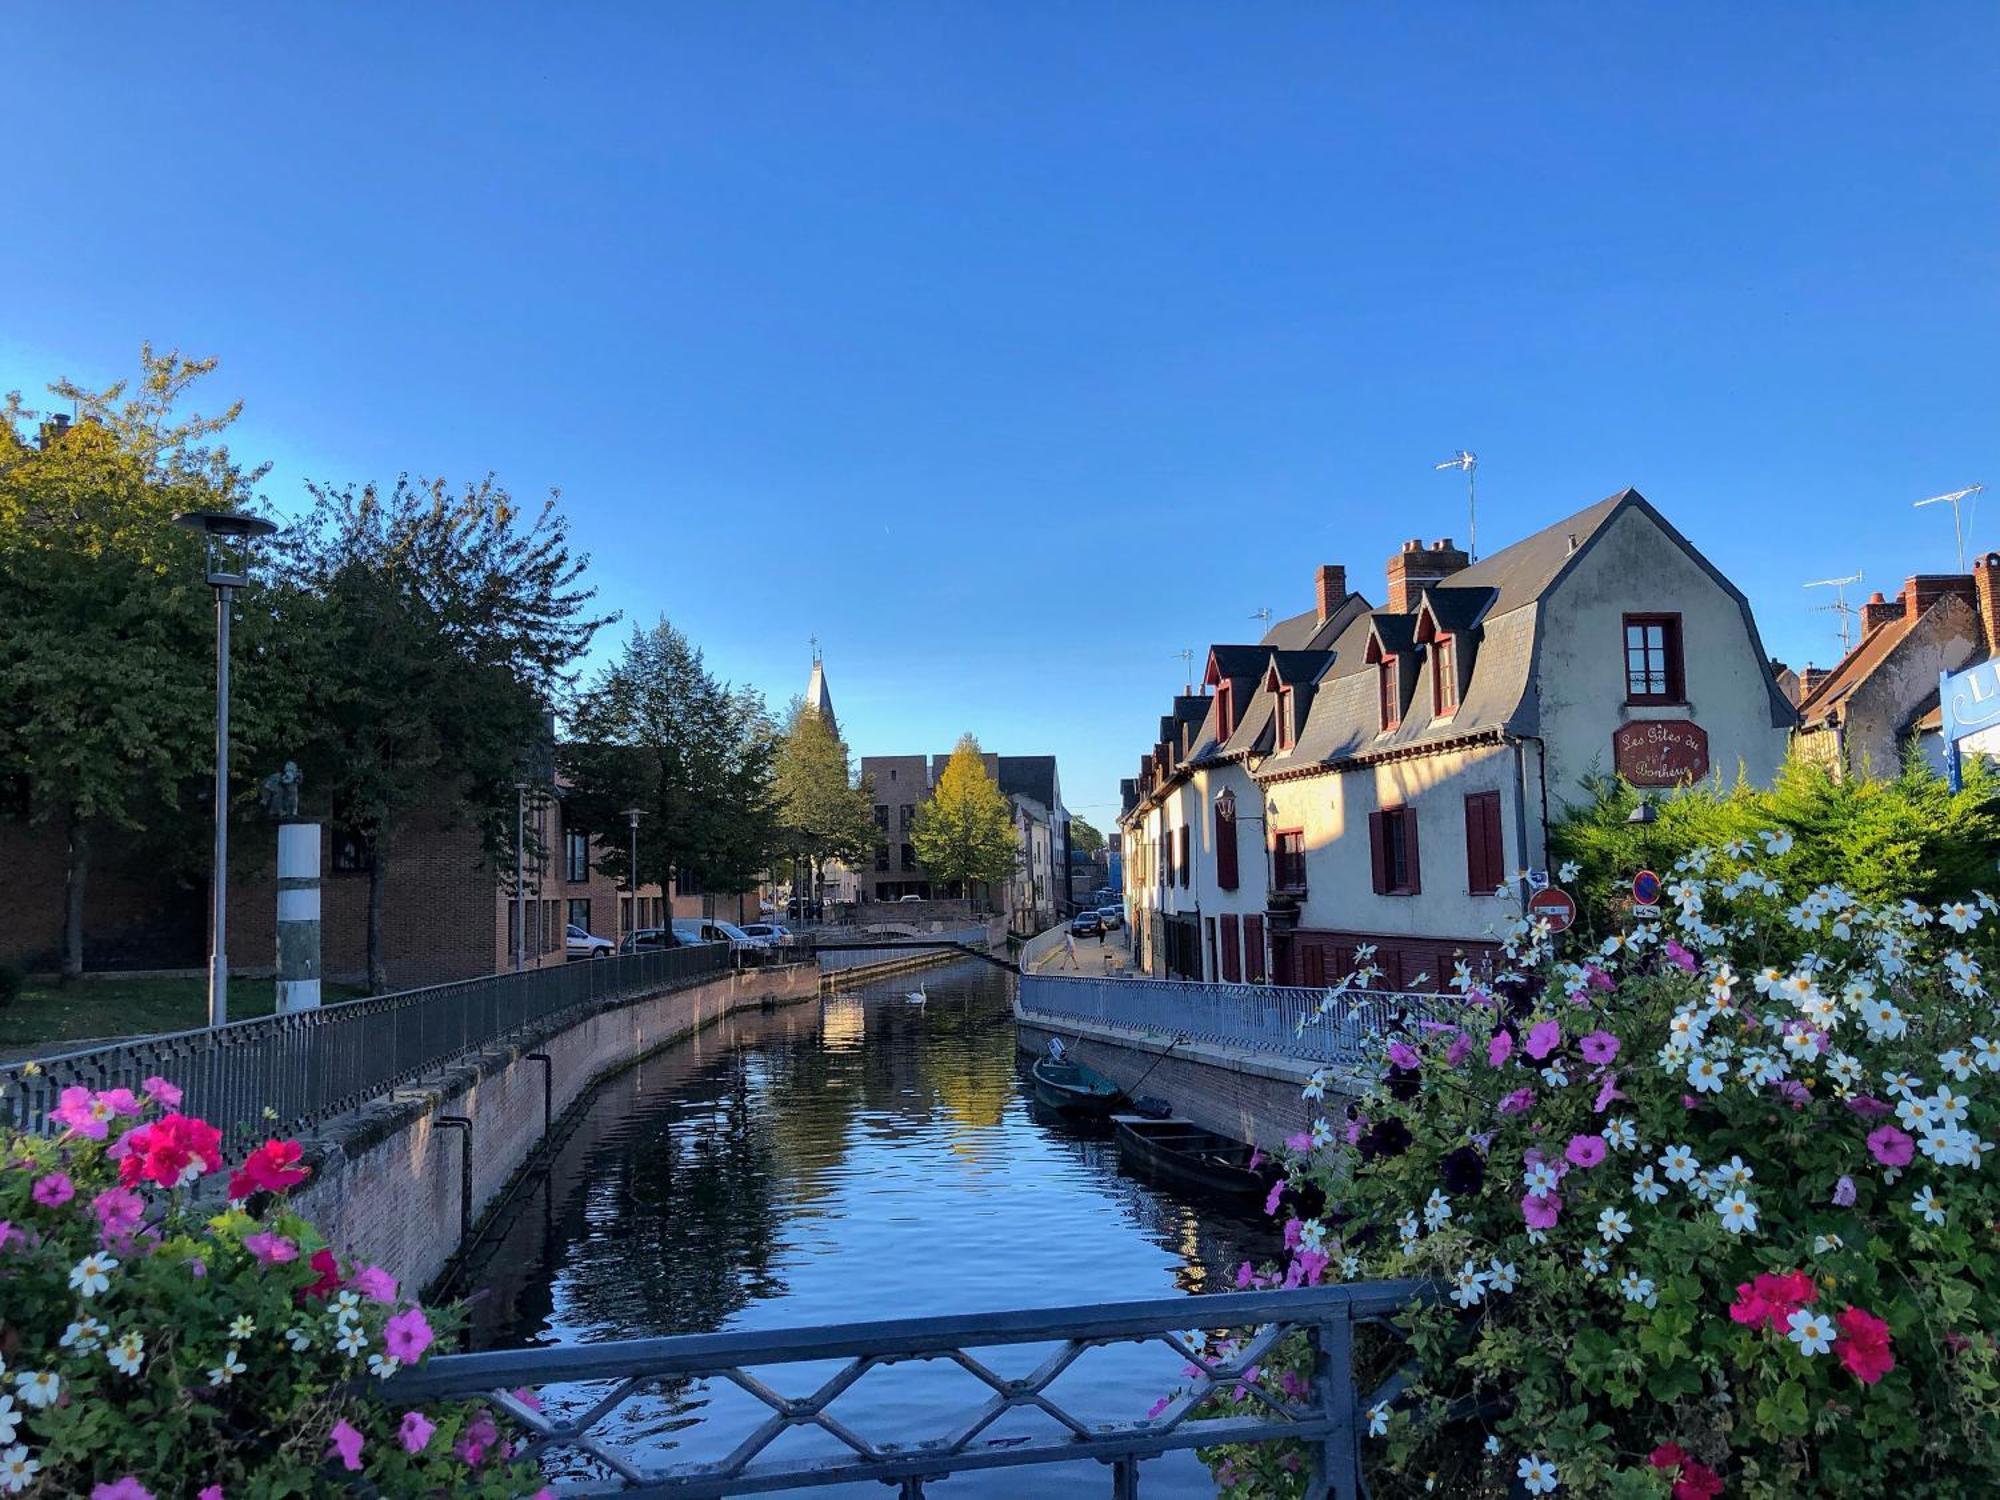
x: 10, y: 984
x: 1882, y: 840
x: 152, y: 1338
x: 965, y: 831
x: 1084, y: 836
x: 822, y: 816
x: 658, y: 731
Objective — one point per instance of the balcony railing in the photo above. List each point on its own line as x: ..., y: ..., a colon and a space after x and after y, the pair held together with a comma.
x: 1255, y: 1017
x: 308, y: 1066
x: 590, y: 1400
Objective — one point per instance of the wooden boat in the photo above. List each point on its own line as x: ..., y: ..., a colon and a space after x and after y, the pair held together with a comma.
x: 1199, y: 1158
x: 1072, y: 1089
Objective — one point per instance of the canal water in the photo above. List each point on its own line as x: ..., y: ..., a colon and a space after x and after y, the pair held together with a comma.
x: 857, y: 1159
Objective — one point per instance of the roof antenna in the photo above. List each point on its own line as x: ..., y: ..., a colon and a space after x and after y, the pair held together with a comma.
x: 1840, y: 606
x: 1467, y: 462
x: 1262, y: 616
x: 1186, y: 654
x: 1956, y: 498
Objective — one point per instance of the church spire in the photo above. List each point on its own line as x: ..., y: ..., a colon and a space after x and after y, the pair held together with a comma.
x: 818, y: 699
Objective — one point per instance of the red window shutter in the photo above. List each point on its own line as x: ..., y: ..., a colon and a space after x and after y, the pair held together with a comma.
x: 1225, y: 850
x: 1378, y: 854
x: 1184, y: 853
x: 1232, y: 970
x: 1253, y: 949
x: 1409, y: 822
x: 1478, y: 856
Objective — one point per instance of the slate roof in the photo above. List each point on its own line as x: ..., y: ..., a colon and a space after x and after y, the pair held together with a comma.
x: 1031, y: 776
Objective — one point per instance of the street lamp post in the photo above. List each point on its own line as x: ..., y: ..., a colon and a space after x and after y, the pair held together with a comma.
x: 632, y: 876
x: 228, y: 537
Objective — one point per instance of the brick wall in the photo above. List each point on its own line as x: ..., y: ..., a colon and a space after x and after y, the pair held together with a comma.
x: 387, y: 1184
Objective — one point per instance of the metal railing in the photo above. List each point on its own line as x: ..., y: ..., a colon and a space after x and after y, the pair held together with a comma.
x: 311, y: 1065
x: 835, y: 960
x: 1255, y: 1017
x: 573, y: 1428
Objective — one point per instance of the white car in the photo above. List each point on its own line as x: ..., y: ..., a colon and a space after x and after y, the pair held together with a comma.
x: 769, y: 934
x: 580, y: 944
x: 706, y: 930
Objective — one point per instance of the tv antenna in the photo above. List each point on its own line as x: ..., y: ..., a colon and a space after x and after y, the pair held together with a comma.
x: 1186, y: 654
x: 1956, y: 498
x: 1262, y: 616
x: 1840, y: 606
x: 1467, y: 462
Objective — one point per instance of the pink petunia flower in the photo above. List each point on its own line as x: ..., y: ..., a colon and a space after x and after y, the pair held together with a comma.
x: 1517, y: 1102
x: 415, y: 1433
x: 1585, y: 1150
x: 1403, y: 1055
x: 1543, y: 1038
x: 375, y: 1284
x: 1244, y: 1276
x: 271, y: 1249
x: 407, y: 1335
x: 1597, y: 979
x: 118, y: 1211
x: 127, y: 1488
x: 167, y: 1096
x: 1679, y: 957
x: 345, y: 1440
x: 73, y: 1112
x: 209, y: 1491
x: 1542, y: 1212
x: 1499, y: 1047
x: 1607, y: 1091
x: 54, y: 1190
x: 1600, y: 1047
x: 1458, y: 1051
x: 1890, y: 1146
x: 1271, y: 1198
x: 1867, y: 1106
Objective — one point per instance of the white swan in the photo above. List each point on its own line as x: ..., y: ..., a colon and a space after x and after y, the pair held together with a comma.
x: 920, y: 995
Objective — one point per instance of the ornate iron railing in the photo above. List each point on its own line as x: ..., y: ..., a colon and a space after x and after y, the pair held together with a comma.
x: 1254, y: 1017
x: 311, y: 1065
x: 570, y: 1417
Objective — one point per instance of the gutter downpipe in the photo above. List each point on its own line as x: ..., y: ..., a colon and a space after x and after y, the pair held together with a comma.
x: 1518, y: 741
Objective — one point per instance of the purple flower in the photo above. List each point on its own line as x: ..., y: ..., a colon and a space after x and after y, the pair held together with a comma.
x: 54, y: 1190
x: 1890, y: 1146
x: 1458, y: 1051
x: 1499, y: 1047
x: 415, y: 1433
x: 345, y: 1440
x: 1243, y: 1276
x: 167, y: 1096
x: 1600, y: 1047
x: 1867, y: 1106
x: 1606, y: 1092
x: 1403, y: 1055
x: 119, y: 1211
x: 407, y: 1335
x: 1843, y: 1193
x: 378, y: 1285
x: 1542, y: 1212
x: 1301, y: 1142
x: 270, y: 1248
x: 1679, y: 957
x: 1597, y: 979
x: 1585, y: 1150
x: 127, y: 1488
x: 1543, y: 1038
x: 1518, y: 1102
x: 1271, y: 1198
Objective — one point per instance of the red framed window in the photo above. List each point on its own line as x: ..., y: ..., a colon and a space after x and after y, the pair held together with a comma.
x: 1287, y: 730
x: 1225, y: 711
x: 1392, y: 849
x: 1288, y: 861
x: 1653, y: 666
x: 1485, y: 850
x: 1444, y: 677
x: 1232, y: 950
x: 1225, y: 843
x: 1389, y: 689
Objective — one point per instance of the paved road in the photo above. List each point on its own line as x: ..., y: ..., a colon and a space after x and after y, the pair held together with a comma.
x: 1091, y: 956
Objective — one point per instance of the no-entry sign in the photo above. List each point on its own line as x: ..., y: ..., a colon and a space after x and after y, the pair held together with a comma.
x: 1646, y: 888
x: 1555, y: 906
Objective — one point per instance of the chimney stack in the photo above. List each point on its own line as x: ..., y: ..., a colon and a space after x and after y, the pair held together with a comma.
x: 1922, y: 590
x: 1879, y: 611
x: 1417, y: 566
x: 1330, y: 586
x: 54, y: 429
x: 1986, y: 583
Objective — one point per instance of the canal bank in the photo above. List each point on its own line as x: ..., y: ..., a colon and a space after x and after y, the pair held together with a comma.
x: 862, y: 1159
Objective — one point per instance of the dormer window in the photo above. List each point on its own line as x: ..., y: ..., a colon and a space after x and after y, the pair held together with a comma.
x: 1225, y: 712
x: 1287, y: 728
x: 1389, y: 690
x: 1444, y: 677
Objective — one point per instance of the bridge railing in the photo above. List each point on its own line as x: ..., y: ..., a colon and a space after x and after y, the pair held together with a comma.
x: 1255, y: 1017
x: 308, y: 1066
x: 582, y: 1412
x: 861, y: 954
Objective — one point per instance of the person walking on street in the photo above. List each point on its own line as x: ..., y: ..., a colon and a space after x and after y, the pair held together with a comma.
x: 1069, y: 955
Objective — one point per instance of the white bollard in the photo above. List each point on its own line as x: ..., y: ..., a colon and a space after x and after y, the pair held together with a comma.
x: 298, y: 916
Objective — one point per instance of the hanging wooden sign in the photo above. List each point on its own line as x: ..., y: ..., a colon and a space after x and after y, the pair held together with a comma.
x: 1660, y: 752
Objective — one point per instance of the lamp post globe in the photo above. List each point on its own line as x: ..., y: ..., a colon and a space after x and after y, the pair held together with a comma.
x: 228, y: 535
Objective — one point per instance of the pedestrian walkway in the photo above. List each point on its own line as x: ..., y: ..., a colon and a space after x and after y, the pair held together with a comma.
x: 1099, y: 957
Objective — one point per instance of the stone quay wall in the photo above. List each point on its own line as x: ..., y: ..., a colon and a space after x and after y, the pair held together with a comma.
x: 399, y: 1182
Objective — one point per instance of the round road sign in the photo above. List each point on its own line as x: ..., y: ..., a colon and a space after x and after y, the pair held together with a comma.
x: 1646, y: 888
x: 1555, y: 906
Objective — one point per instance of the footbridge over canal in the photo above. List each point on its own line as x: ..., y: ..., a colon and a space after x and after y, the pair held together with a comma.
x: 1233, y: 1058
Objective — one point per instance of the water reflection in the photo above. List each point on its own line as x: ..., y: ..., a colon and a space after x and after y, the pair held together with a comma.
x: 858, y: 1159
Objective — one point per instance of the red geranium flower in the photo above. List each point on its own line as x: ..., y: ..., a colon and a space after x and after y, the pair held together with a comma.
x: 270, y: 1169
x: 329, y: 1275
x: 170, y: 1151
x: 1864, y: 1345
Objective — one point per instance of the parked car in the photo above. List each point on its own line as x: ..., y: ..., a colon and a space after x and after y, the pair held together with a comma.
x: 901, y: 899
x: 581, y: 944
x: 650, y: 940
x: 1113, y: 917
x: 1086, y: 924
x: 706, y: 930
x: 770, y: 934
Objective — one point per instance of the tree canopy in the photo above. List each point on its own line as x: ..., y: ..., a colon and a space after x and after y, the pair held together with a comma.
x: 822, y: 816
x: 1083, y: 835
x: 965, y: 832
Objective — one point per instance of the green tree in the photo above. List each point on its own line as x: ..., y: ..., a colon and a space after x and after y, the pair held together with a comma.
x: 106, y: 654
x: 965, y: 832
x: 822, y: 815
x: 426, y: 628
x: 658, y: 731
x: 1083, y: 835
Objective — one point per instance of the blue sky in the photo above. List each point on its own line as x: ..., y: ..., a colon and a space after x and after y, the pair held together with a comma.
x: 1011, y: 348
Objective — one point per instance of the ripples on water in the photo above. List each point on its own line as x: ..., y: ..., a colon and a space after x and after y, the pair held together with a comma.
x: 852, y: 1160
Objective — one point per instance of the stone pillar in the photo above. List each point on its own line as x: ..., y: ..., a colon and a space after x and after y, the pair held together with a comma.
x: 298, y: 916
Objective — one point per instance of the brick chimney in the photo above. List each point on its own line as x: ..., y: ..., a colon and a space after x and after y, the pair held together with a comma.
x: 1986, y: 584
x: 1922, y: 590
x: 1809, y: 679
x: 54, y: 430
x: 1330, y: 587
x: 1417, y: 566
x: 1879, y: 611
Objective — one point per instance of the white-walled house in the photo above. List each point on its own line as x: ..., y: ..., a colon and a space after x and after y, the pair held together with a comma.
x: 1394, y: 770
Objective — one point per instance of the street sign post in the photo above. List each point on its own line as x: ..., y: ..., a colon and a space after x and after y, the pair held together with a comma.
x: 1555, y: 906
